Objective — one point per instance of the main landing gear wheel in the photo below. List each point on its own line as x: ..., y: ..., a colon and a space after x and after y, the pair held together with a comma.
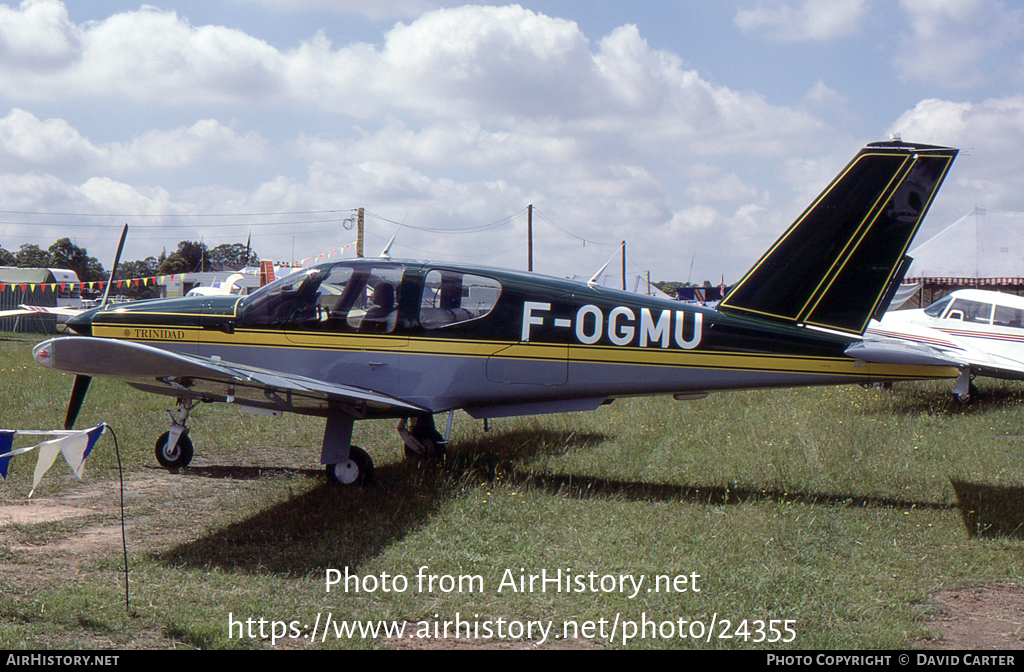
x: 179, y: 456
x: 423, y: 441
x: 971, y: 398
x: 358, y: 470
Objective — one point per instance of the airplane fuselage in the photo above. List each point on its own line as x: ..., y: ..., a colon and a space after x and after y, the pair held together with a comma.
x: 499, y: 343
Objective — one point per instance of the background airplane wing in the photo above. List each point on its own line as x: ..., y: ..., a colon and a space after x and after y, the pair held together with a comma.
x: 915, y: 344
x: 41, y: 310
x: 175, y: 374
x: 885, y: 350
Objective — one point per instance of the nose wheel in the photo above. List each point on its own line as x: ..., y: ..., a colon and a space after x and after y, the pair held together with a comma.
x: 174, y: 448
x: 174, y: 456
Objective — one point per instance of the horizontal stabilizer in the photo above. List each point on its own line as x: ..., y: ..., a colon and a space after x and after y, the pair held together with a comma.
x: 833, y: 265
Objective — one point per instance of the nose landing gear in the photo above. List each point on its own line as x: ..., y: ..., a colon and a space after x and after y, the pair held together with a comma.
x: 174, y: 448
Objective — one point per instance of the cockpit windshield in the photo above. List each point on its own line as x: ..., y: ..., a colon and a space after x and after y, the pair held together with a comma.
x: 281, y: 300
x: 935, y: 310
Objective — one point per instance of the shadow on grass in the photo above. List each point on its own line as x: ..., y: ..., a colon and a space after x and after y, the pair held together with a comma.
x: 334, y: 527
x: 990, y: 511
x: 484, y: 462
x: 938, y: 399
x: 583, y: 487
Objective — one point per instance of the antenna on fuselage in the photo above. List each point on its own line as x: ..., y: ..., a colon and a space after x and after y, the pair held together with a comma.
x: 593, y: 282
x: 386, y: 254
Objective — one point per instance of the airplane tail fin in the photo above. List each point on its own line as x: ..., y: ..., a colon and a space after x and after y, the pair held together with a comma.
x: 836, y: 264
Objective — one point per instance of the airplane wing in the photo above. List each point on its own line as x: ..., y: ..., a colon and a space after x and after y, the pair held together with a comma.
x: 916, y: 344
x: 153, y: 370
x: 41, y: 310
x: 890, y: 350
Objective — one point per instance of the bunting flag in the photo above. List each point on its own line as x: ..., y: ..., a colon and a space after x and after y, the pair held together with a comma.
x: 155, y: 280
x: 75, y: 446
x: 6, y: 443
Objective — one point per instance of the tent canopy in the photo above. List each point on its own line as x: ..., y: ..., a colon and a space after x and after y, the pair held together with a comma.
x: 982, y: 247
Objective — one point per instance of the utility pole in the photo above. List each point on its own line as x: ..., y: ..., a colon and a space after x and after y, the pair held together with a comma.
x: 529, y: 237
x: 623, y: 265
x: 359, y: 240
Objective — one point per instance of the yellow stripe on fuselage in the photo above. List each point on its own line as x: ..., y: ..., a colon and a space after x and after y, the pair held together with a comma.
x: 576, y: 353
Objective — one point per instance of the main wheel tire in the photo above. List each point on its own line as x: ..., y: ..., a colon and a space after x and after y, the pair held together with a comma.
x: 972, y: 396
x: 358, y: 470
x: 431, y: 440
x: 177, y: 458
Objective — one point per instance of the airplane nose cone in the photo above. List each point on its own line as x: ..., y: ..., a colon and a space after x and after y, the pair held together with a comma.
x: 81, y: 324
x: 43, y: 353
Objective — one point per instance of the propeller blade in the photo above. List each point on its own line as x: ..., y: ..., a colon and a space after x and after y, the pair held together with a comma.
x: 78, y: 391
x: 113, y: 270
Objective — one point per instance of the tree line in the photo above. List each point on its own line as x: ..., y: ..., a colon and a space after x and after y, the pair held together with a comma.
x: 189, y: 257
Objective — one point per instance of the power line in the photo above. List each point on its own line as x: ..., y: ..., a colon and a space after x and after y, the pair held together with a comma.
x: 162, y: 226
x: 570, y: 233
x: 197, y: 214
x: 432, y: 253
x: 469, y: 229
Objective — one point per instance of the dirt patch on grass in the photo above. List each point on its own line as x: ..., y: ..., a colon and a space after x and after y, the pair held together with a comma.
x: 87, y: 520
x: 37, y: 512
x: 991, y: 617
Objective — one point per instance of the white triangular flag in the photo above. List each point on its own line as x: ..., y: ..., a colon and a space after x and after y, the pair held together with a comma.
x: 74, y: 447
x: 47, y: 454
x: 77, y: 447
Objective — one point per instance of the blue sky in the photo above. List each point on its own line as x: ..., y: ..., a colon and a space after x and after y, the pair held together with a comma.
x: 695, y: 131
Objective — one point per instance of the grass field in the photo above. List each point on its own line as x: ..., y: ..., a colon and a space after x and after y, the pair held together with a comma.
x: 819, y: 518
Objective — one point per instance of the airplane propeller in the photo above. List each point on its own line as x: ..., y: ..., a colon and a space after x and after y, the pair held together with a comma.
x: 81, y: 385
x: 78, y: 391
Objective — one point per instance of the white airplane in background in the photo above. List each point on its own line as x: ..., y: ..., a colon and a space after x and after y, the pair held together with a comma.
x: 981, y: 331
x: 225, y: 288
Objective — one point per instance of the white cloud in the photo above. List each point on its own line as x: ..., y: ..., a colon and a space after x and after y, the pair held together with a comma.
x: 377, y: 9
x: 957, y: 43
x: 470, y: 113
x: 148, y: 55
x: 989, y: 173
x: 500, y: 64
x: 38, y: 35
x: 50, y: 145
x: 452, y: 144
x: 808, y: 20
x: 709, y: 184
x: 55, y: 146
x: 206, y: 140
x: 824, y: 96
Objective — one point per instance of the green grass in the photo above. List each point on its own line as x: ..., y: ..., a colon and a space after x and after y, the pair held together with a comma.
x: 842, y: 509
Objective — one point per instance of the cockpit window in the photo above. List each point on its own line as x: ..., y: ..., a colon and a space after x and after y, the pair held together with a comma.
x: 970, y: 311
x: 343, y: 297
x: 1008, y: 317
x: 359, y: 298
x: 936, y: 308
x: 451, y: 297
